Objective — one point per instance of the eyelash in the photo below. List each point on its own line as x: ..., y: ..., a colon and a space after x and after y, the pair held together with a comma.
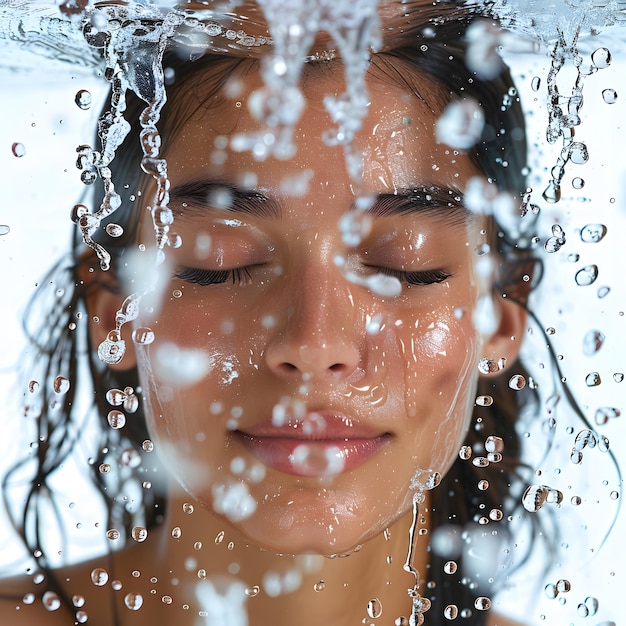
x: 204, y: 278
x: 422, y: 277
x: 241, y: 275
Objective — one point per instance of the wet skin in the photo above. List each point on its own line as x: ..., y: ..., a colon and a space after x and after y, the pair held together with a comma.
x: 255, y: 291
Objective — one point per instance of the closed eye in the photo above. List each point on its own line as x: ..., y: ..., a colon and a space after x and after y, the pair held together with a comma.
x: 421, y: 277
x: 204, y: 278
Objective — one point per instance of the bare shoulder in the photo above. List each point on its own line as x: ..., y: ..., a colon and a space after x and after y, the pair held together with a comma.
x: 494, y: 619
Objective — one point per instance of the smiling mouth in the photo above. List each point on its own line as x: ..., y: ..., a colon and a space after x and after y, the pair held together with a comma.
x: 335, y: 447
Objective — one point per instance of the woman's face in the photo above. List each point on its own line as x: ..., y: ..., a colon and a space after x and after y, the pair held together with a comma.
x: 296, y: 402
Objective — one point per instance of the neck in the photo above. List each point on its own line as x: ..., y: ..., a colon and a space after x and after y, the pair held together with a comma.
x: 285, y: 590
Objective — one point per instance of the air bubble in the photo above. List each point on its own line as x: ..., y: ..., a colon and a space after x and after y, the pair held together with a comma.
x: 374, y: 608
x: 83, y: 99
x: 609, y: 96
x: 586, y: 276
x: 133, y: 601
x: 320, y: 585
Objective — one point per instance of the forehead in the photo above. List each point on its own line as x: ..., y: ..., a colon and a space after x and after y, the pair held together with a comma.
x: 397, y: 136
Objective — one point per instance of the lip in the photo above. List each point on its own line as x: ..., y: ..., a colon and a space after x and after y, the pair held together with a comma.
x: 321, y: 444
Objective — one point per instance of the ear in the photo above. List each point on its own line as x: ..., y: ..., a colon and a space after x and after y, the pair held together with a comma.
x: 103, y: 300
x: 506, y: 341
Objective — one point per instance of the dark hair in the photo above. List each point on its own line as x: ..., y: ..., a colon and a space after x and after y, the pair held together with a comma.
x: 65, y: 344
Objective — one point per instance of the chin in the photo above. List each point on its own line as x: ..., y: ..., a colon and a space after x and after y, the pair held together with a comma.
x: 328, y: 525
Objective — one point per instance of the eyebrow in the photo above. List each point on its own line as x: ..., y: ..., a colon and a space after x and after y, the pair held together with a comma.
x: 422, y: 199
x: 194, y: 198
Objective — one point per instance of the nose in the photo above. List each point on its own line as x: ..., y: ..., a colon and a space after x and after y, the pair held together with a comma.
x: 318, y: 335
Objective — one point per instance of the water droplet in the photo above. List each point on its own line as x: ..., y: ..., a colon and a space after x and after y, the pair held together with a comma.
x: 601, y: 58
x: 147, y: 446
x: 143, y: 336
x: 176, y: 532
x: 139, y: 533
x: 450, y: 567
x: 4, y: 229
x: 116, y: 585
x: 465, y: 452
x: 51, y: 601
x: 374, y: 608
x: 576, y: 500
x: 484, y: 400
x: 587, y: 275
x: 592, y: 342
x: 563, y: 585
x: 609, y: 96
x: 592, y: 233
x: 131, y: 404
x: 99, y: 577
x: 251, y: 592
x: 133, y: 601
x: 603, y: 291
x: 113, y: 534
x: 614, y: 495
x: 552, y: 192
x: 494, y: 444
x: 487, y: 366
x: 83, y: 99
x: 18, y: 149
x: 320, y: 585
x: 104, y: 468
x: 114, y: 230
x: 517, y: 382
x: 578, y: 182
x: 187, y: 508
x: 78, y: 601
x: 480, y: 461
x: 451, y: 612
x: 585, y: 438
x: 618, y: 377
x: 166, y: 599
x: 33, y: 386
x: 605, y: 413
x: 536, y: 496
x: 496, y: 515
x: 61, y: 385
x: 553, y: 244
x: 116, y: 419
x: 578, y: 153
x: 482, y: 603
x: 593, y: 379
x: 535, y: 83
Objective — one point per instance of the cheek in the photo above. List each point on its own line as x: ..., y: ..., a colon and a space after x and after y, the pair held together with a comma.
x: 438, y: 357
